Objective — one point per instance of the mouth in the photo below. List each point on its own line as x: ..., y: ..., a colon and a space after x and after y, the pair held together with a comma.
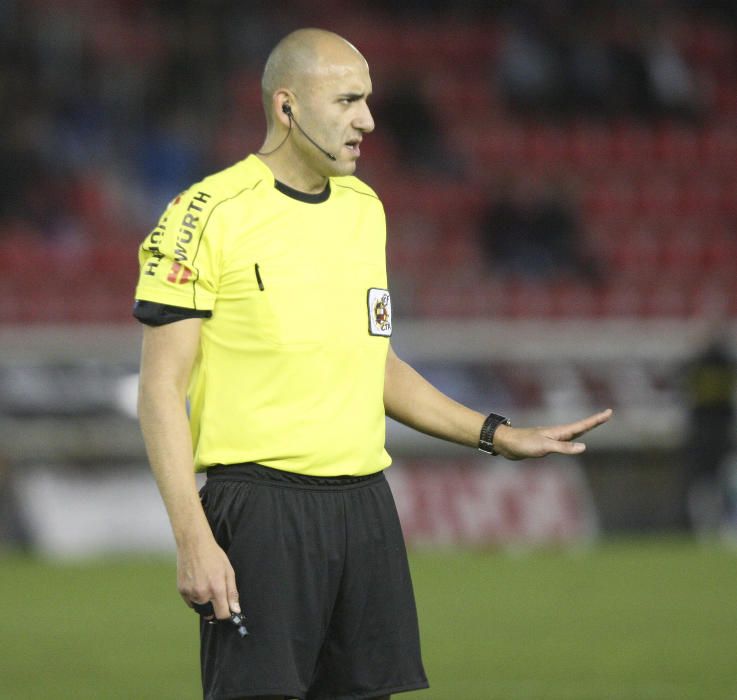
x: 354, y: 147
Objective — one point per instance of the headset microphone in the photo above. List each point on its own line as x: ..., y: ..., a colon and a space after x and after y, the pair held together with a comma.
x: 287, y: 109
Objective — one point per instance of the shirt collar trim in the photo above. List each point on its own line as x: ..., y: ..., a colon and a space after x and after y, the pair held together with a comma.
x: 303, y: 196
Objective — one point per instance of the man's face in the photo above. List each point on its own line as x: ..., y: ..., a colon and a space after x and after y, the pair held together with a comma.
x: 335, y: 113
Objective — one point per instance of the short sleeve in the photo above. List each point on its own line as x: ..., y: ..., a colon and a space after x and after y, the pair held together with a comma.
x: 180, y: 259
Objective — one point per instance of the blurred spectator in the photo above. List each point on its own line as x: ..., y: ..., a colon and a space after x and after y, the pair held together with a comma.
x: 589, y: 72
x: 533, y: 231
x: 671, y: 81
x: 710, y: 384
x: 528, y: 67
x: 562, y: 60
x: 630, y: 91
x: 406, y: 115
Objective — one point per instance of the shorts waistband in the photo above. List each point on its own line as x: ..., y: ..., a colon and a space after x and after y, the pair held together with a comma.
x: 258, y: 473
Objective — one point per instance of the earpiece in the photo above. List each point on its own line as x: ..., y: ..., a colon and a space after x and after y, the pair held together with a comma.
x: 286, y: 109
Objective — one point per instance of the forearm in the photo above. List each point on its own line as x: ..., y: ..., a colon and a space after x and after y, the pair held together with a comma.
x: 410, y: 399
x: 168, y: 442
x: 167, y: 357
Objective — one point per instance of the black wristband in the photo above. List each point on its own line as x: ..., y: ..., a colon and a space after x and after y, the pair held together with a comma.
x: 486, y: 438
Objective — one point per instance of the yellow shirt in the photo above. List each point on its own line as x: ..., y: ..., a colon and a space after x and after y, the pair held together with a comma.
x: 290, y: 372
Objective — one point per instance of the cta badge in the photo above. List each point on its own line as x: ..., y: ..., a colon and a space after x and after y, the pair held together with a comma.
x: 380, y: 312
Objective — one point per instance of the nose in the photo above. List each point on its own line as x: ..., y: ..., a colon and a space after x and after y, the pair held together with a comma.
x: 364, y: 121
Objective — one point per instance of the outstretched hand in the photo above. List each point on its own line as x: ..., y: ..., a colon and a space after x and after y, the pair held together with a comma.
x: 520, y: 443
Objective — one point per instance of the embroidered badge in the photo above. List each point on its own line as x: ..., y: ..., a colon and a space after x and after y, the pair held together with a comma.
x: 380, y: 312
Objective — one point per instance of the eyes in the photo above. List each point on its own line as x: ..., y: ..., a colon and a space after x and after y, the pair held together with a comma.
x: 349, y: 99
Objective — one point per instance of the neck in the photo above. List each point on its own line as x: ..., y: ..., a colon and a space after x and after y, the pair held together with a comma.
x: 289, y: 168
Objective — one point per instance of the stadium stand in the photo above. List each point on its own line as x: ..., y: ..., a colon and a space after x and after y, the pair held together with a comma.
x: 655, y: 194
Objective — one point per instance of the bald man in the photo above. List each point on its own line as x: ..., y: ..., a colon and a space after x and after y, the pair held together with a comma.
x: 267, y: 364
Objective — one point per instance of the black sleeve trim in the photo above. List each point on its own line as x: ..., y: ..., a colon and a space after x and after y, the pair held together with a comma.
x: 154, y: 314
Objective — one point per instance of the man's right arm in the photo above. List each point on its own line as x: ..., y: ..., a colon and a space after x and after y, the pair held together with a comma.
x: 204, y: 572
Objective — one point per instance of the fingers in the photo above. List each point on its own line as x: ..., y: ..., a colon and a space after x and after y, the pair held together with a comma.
x: 216, y: 599
x: 601, y: 417
x: 225, y: 599
x: 232, y: 592
x: 570, y: 431
x: 521, y: 443
x: 584, y: 425
x: 567, y: 448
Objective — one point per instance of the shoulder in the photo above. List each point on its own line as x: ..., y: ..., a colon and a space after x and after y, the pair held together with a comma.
x: 350, y: 183
x: 231, y: 182
x: 219, y: 187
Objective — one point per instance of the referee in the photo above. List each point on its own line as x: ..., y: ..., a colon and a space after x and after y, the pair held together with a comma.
x: 267, y: 364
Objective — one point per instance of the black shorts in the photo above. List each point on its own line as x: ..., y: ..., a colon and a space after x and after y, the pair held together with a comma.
x: 324, y: 584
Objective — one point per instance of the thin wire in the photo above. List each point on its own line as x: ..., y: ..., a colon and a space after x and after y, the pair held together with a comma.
x: 284, y: 140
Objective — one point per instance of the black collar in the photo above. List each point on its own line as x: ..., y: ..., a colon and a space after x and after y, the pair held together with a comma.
x: 303, y: 196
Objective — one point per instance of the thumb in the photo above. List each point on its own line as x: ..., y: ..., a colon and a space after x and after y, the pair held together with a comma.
x: 570, y: 448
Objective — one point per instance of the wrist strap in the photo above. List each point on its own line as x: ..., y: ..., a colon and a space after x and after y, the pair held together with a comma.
x: 486, y: 438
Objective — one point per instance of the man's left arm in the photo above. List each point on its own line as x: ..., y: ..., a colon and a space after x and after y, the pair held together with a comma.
x: 410, y: 399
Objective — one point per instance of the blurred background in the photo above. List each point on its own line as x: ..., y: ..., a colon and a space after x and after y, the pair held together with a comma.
x: 560, y: 180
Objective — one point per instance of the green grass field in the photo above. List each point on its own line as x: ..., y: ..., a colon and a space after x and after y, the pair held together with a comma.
x: 635, y: 620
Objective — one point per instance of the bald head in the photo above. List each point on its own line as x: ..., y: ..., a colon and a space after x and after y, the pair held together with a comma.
x: 302, y: 57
